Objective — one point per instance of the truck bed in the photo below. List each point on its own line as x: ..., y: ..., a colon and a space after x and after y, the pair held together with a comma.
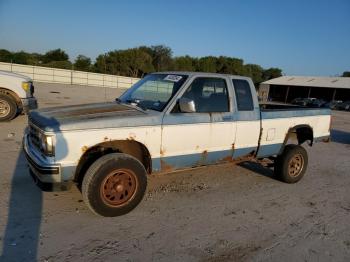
x: 278, y: 119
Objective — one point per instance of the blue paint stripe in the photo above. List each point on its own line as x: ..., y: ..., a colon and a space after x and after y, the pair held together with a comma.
x: 198, y: 159
x: 243, y: 151
x: 269, y: 150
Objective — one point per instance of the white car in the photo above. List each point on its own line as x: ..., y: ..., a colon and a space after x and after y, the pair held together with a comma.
x: 16, y: 95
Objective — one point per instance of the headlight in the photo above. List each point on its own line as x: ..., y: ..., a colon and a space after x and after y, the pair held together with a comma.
x: 47, y: 144
x: 26, y: 86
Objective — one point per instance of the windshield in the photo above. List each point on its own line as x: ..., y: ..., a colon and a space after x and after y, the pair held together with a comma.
x: 154, y: 91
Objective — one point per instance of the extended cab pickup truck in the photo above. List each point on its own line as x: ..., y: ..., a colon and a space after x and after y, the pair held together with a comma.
x: 16, y: 95
x: 166, y: 121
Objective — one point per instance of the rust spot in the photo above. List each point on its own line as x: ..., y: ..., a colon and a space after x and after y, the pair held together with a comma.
x: 203, y: 160
x: 244, y: 158
x: 165, y: 167
x: 84, y: 149
x: 162, y: 152
x: 227, y: 159
x: 132, y: 136
x: 105, y: 138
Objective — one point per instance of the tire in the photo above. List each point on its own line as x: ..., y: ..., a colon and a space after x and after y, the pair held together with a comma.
x: 8, y: 108
x: 291, y: 165
x: 114, y: 184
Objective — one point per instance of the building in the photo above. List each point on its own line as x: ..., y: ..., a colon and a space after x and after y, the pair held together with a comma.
x: 286, y: 88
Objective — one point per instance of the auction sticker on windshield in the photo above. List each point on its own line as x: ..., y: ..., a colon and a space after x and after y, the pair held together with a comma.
x: 173, y: 78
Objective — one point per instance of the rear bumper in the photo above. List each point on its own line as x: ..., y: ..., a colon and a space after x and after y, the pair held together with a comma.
x: 29, y: 104
x: 45, y: 174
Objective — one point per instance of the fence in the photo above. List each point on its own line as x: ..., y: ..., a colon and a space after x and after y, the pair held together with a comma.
x: 64, y: 76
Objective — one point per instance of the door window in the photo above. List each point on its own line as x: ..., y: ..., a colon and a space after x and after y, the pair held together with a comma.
x: 209, y: 94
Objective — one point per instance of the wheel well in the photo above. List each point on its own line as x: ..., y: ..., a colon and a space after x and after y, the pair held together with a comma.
x: 133, y: 148
x: 302, y: 133
x: 12, y: 94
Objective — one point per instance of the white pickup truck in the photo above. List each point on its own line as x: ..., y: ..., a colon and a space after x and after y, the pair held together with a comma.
x: 16, y: 95
x: 165, y: 122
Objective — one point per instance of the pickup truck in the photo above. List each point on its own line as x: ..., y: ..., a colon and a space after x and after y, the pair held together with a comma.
x: 16, y: 95
x: 167, y: 121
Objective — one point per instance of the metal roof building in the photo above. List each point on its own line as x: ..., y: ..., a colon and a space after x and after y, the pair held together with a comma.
x: 286, y: 88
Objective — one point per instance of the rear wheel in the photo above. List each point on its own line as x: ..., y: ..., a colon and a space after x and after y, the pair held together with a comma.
x: 291, y: 165
x: 8, y: 108
x: 114, y: 184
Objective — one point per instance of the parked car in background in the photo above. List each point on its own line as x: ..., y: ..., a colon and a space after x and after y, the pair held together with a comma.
x: 317, y: 103
x: 309, y: 102
x: 306, y: 101
x: 344, y: 106
x: 16, y: 95
x: 333, y: 104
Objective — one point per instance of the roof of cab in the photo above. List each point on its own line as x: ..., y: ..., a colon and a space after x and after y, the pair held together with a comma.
x: 189, y: 73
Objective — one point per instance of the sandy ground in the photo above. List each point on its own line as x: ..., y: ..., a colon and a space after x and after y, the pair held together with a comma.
x: 217, y: 213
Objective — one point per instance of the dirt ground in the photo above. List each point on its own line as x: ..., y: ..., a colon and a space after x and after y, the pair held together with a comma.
x: 218, y: 213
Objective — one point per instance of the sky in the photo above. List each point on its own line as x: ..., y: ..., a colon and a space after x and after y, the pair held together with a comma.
x: 302, y: 37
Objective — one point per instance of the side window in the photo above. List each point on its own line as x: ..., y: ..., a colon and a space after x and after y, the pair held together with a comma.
x: 243, y: 95
x: 209, y: 94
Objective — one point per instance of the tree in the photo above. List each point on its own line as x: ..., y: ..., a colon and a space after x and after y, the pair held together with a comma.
x: 271, y: 73
x: 136, y: 62
x: 21, y: 58
x: 55, y: 55
x: 207, y: 64
x: 161, y: 56
x: 5, y: 56
x: 82, y: 63
x: 133, y: 62
x: 255, y: 72
x: 184, y: 63
x: 230, y: 65
x: 59, y: 64
x: 346, y: 74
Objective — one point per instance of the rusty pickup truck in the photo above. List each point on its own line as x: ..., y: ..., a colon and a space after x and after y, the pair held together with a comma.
x: 167, y: 121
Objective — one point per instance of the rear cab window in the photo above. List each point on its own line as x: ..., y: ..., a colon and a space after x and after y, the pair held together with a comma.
x: 243, y: 94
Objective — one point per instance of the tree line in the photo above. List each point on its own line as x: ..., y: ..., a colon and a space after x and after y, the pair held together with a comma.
x: 136, y: 62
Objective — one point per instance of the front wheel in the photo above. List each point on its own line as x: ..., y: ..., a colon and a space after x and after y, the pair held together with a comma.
x: 291, y: 165
x: 114, y: 184
x: 8, y: 108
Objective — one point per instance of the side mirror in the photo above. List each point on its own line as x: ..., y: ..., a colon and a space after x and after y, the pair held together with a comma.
x: 187, y: 105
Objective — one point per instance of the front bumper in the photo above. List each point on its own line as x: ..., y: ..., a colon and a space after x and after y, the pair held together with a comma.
x: 46, y: 175
x: 29, y: 104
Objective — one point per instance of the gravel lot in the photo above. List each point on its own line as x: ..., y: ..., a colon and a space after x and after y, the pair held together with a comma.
x: 217, y: 213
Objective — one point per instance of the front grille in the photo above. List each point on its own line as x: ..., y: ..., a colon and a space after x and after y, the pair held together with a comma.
x: 34, y: 136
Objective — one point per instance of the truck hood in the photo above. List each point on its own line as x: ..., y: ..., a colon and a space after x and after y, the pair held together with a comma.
x: 14, y: 75
x: 90, y: 116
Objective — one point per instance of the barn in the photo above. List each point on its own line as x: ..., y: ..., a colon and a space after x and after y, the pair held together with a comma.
x: 286, y: 88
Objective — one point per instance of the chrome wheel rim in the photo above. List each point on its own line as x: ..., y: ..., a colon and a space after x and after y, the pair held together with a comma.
x: 4, y: 108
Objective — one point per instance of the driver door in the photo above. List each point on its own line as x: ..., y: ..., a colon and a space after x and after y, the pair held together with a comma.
x: 204, y: 136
